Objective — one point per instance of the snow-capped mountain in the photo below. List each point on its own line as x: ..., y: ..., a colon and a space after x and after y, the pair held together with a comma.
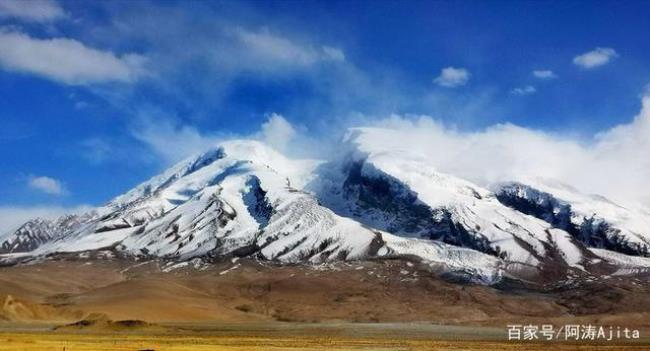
x: 242, y: 198
x: 396, y: 190
x: 228, y: 199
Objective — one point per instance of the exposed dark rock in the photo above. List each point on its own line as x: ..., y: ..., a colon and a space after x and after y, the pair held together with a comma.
x: 257, y: 203
x: 592, y: 231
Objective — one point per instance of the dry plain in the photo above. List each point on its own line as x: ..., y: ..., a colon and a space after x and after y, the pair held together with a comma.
x: 246, y: 305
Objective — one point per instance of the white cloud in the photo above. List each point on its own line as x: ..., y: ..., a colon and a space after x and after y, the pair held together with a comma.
x: 451, y: 77
x: 527, y: 90
x: 277, y: 132
x: 595, y: 58
x: 12, y: 217
x: 47, y: 185
x: 32, y: 10
x: 272, y: 48
x: 614, y: 164
x: 66, y: 60
x: 544, y: 74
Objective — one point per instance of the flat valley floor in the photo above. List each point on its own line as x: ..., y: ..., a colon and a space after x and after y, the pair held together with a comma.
x: 291, y: 336
x: 72, y: 305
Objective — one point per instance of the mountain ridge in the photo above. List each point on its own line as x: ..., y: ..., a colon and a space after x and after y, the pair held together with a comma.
x: 242, y: 198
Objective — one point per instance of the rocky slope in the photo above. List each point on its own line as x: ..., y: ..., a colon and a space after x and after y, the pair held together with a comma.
x: 593, y: 220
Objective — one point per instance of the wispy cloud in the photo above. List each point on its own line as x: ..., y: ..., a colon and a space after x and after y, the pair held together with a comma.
x: 66, y: 60
x: 451, y: 77
x: 228, y: 53
x: 270, y: 48
x: 544, y: 74
x: 333, y: 53
x: 170, y: 140
x: 32, y: 10
x: 46, y: 185
x: 95, y: 150
x: 522, y: 91
x: 595, y: 58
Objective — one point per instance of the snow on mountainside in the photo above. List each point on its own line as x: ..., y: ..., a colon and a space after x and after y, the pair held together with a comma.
x: 242, y: 198
x: 396, y: 190
x: 38, y: 231
x: 228, y: 199
x: 295, y: 171
x: 592, y: 219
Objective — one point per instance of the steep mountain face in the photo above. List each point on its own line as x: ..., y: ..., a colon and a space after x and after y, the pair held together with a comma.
x: 244, y: 199
x: 594, y: 220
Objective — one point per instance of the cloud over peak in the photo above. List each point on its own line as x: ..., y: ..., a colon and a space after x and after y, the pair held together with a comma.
x: 452, y: 77
x: 595, y: 58
x: 277, y: 132
x: 168, y: 139
x: 614, y: 163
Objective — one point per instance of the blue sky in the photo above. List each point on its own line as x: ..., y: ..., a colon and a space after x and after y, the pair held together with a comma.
x: 96, y: 97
